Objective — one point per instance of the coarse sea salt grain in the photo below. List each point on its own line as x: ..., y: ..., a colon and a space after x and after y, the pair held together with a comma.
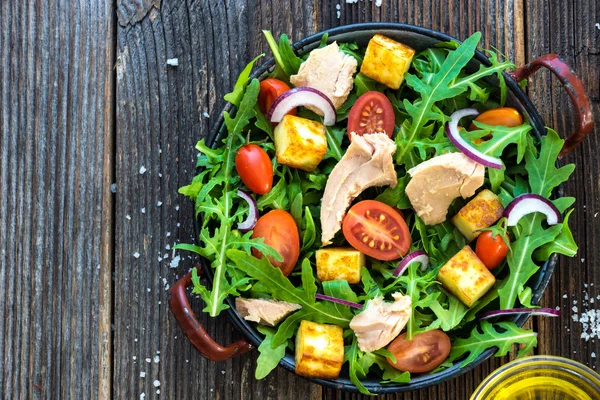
x: 142, y: 374
x: 148, y: 360
x: 156, y: 383
x: 142, y: 170
x: 128, y: 217
x: 156, y: 359
x: 176, y: 208
x: 136, y: 254
x: 205, y: 115
x: 175, y: 262
x: 143, y: 210
x: 158, y: 203
x: 142, y: 396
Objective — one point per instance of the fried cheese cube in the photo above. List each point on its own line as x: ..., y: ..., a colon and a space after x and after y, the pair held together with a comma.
x: 339, y: 263
x: 466, y: 277
x: 387, y: 61
x: 319, y: 350
x: 300, y: 143
x: 481, y: 212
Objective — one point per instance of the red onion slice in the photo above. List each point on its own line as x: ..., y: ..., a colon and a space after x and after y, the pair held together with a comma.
x: 529, y: 203
x: 546, y: 312
x: 339, y: 301
x: 416, y: 256
x: 302, y: 96
x: 250, y: 221
x: 465, y: 147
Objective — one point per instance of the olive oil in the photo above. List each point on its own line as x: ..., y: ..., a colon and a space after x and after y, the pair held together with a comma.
x: 543, y: 378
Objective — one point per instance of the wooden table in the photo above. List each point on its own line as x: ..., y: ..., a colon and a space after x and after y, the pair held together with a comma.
x: 88, y: 104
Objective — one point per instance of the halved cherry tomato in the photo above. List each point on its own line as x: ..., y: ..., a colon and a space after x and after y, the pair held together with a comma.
x: 423, y: 353
x: 254, y: 167
x: 502, y: 116
x: 279, y: 230
x: 372, y: 113
x: 377, y: 230
x: 270, y: 89
x: 491, y: 251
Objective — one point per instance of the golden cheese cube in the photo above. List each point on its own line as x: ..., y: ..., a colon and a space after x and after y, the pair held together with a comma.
x: 481, y: 212
x: 466, y: 277
x: 387, y: 61
x: 300, y: 142
x: 339, y: 263
x: 319, y: 350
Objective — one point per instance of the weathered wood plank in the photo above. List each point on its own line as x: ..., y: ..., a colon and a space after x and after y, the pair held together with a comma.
x: 55, y: 157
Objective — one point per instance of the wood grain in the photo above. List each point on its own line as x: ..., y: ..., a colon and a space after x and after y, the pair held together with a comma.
x: 55, y: 124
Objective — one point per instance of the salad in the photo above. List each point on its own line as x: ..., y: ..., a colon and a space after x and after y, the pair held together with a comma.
x: 378, y: 208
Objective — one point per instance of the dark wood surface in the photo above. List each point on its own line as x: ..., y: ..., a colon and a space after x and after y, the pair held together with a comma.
x: 87, y: 100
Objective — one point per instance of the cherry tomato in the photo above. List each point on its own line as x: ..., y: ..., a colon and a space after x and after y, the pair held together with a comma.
x: 372, y: 113
x: 254, y: 167
x: 270, y: 89
x: 423, y: 353
x: 503, y: 116
x: 377, y: 230
x: 279, y: 230
x: 491, y: 251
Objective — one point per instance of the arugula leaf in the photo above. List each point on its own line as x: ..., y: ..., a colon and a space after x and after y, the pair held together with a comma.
x: 269, y: 357
x: 309, y: 234
x: 340, y: 289
x: 245, y: 110
x: 335, y: 135
x: 501, y: 335
x: 543, y: 174
x: 240, y: 85
x: 452, y: 316
x: 287, y: 62
x: 277, y: 197
x: 562, y: 244
x: 281, y: 288
x: 364, y: 84
x: 396, y: 197
x: 262, y: 122
x: 356, y: 372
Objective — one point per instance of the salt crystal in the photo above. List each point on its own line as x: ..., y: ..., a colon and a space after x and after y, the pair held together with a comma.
x: 378, y: 3
x: 143, y: 210
x: 351, y: 1
x: 598, y: 25
x: 564, y: 296
x: 159, y: 259
x: 113, y: 188
x: 173, y: 62
x: 158, y: 391
x: 205, y: 115
x: 156, y: 383
x: 593, y: 355
x: 135, y: 340
x: 168, y: 234
x: 149, y: 290
x: 178, y: 224
x: 166, y: 256
x: 142, y: 374
x: 583, y: 260
x: 557, y: 308
x: 595, y: 215
x: 176, y: 208
x: 159, y: 175
x: 136, y: 254
x: 222, y: 372
x: 159, y: 151
x: 128, y: 217
x: 157, y: 351
x: 338, y: 13
x: 187, y: 361
x: 168, y: 247
x: 337, y: 6
x: 142, y: 170
x: 158, y: 203
x: 574, y: 309
x: 142, y: 396
x: 175, y: 262
x: 134, y: 358
x: 156, y: 359
x: 148, y: 360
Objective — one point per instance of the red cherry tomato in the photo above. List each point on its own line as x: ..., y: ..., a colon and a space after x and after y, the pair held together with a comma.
x: 254, y: 167
x: 270, y: 89
x: 425, y: 352
x: 279, y: 230
x: 377, y: 230
x: 372, y: 113
x: 501, y: 116
x: 491, y: 251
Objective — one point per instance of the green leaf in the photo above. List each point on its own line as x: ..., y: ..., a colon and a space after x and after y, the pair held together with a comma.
x: 247, y: 243
x: 276, y: 198
x: 396, y: 197
x: 288, y: 327
x: 308, y: 281
x: 281, y: 288
x: 240, y: 85
x: 334, y: 142
x: 501, y: 335
x: 525, y: 298
x: 543, y: 174
x: 262, y: 122
x: 245, y: 111
x: 562, y: 244
x: 189, y: 247
x: 520, y: 261
x: 310, y: 234
x: 364, y: 84
x: 269, y: 357
x: 503, y: 136
x: 451, y: 316
x: 291, y: 62
x: 370, y: 287
x: 351, y: 355
x: 340, y: 289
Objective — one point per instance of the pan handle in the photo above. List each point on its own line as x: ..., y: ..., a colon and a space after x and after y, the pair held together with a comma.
x: 180, y: 306
x: 574, y: 88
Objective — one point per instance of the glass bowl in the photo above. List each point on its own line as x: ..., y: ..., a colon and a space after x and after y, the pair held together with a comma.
x: 540, y: 377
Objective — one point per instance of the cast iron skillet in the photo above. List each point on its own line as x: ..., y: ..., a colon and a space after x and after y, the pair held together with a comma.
x: 419, y: 39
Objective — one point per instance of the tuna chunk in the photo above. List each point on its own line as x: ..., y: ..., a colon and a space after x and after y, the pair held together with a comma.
x: 368, y: 162
x: 328, y: 70
x: 381, y: 322
x: 437, y: 182
x: 263, y: 311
